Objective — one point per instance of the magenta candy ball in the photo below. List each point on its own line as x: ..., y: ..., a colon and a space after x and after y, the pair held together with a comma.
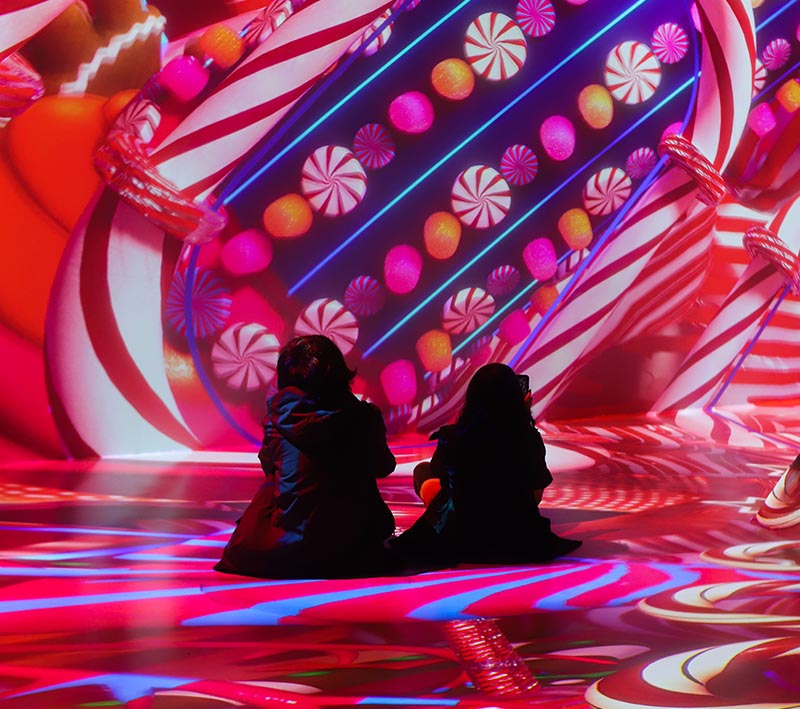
x: 540, y: 258
x: 399, y: 382
x: 250, y: 251
x: 184, y: 77
x: 558, y: 137
x: 514, y: 328
x: 411, y: 112
x: 402, y: 268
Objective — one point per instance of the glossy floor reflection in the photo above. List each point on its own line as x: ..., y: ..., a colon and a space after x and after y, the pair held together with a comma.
x: 676, y: 599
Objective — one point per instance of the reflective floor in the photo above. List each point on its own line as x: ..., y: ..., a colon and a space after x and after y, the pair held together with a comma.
x: 675, y: 599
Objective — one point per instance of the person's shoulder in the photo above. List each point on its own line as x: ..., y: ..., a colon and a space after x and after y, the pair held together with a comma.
x: 444, y: 434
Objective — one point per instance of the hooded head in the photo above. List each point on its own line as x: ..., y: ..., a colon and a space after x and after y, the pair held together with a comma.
x: 316, y: 365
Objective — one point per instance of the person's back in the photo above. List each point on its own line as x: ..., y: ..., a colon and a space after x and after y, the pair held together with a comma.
x: 319, y: 512
x: 491, y: 465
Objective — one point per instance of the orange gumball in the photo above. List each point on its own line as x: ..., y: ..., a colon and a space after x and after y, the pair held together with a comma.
x: 434, y: 350
x: 52, y: 145
x: 442, y: 234
x: 453, y: 79
x: 576, y: 229
x: 429, y: 489
x: 543, y: 298
x: 223, y: 45
x: 596, y: 106
x: 288, y: 216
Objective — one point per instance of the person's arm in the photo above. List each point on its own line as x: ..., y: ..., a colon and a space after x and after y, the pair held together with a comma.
x: 380, y: 458
x: 540, y: 476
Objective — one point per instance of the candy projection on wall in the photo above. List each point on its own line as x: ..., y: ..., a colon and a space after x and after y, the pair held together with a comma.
x: 565, y: 187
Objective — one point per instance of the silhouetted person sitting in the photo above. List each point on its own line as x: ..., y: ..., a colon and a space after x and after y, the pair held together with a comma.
x: 319, y: 513
x: 491, y: 468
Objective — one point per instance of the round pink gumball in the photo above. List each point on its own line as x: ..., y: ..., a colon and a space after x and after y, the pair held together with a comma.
x: 514, y: 328
x: 399, y: 382
x: 558, y: 137
x: 184, y: 77
x: 402, y: 268
x: 411, y: 112
x: 249, y: 251
x: 540, y: 258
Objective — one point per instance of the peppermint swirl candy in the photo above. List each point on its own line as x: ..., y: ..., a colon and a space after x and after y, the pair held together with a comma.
x: 502, y: 280
x: 670, y: 43
x: 495, y: 47
x: 606, y: 191
x: 364, y: 296
x: 329, y: 317
x: 333, y: 181
x: 209, y: 304
x: 373, y: 146
x: 776, y: 54
x: 467, y: 310
x: 245, y: 356
x: 536, y: 17
x: 632, y: 72
x: 640, y: 163
x: 480, y: 197
x: 519, y: 165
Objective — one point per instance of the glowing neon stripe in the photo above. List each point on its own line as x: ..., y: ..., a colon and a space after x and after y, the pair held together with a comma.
x: 404, y: 320
x: 90, y: 530
x: 229, y: 194
x: 452, y: 607
x: 425, y: 175
x: 405, y: 701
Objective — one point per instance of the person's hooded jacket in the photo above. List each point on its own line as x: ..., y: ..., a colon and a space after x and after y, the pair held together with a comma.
x: 319, y: 511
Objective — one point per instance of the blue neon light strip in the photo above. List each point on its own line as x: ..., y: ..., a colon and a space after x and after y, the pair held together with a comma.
x: 404, y: 320
x: 231, y: 192
x: 425, y: 175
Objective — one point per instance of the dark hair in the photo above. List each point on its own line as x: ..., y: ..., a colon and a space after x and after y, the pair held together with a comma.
x: 314, y: 364
x: 494, y: 403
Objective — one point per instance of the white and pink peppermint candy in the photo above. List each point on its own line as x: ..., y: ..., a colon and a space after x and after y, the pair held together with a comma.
x: 480, y: 197
x: 776, y: 54
x: 519, y: 165
x: 495, y: 46
x: 670, y: 43
x: 632, y: 72
x: 329, y: 317
x: 606, y: 191
x: 271, y: 16
x: 467, y: 310
x: 536, y: 17
x: 245, y: 356
x: 640, y: 163
x: 333, y: 180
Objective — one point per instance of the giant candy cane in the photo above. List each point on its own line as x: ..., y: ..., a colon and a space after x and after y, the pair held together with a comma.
x: 22, y: 19
x: 578, y: 328
x: 104, y: 337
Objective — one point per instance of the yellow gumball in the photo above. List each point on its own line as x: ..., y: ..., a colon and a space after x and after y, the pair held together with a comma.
x: 543, y: 298
x: 434, y: 350
x: 223, y: 45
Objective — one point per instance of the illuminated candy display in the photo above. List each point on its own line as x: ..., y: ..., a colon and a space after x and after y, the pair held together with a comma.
x: 288, y: 216
x: 540, y: 258
x: 502, y: 280
x: 210, y: 304
x: 596, y: 106
x: 558, y: 137
x: 402, y: 268
x: 575, y: 228
x: 411, y: 112
x: 434, y: 350
x: 606, y: 191
x: 442, y: 234
x: 640, y: 162
x: 364, y: 296
x: 776, y: 54
x: 249, y: 251
x: 399, y: 381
